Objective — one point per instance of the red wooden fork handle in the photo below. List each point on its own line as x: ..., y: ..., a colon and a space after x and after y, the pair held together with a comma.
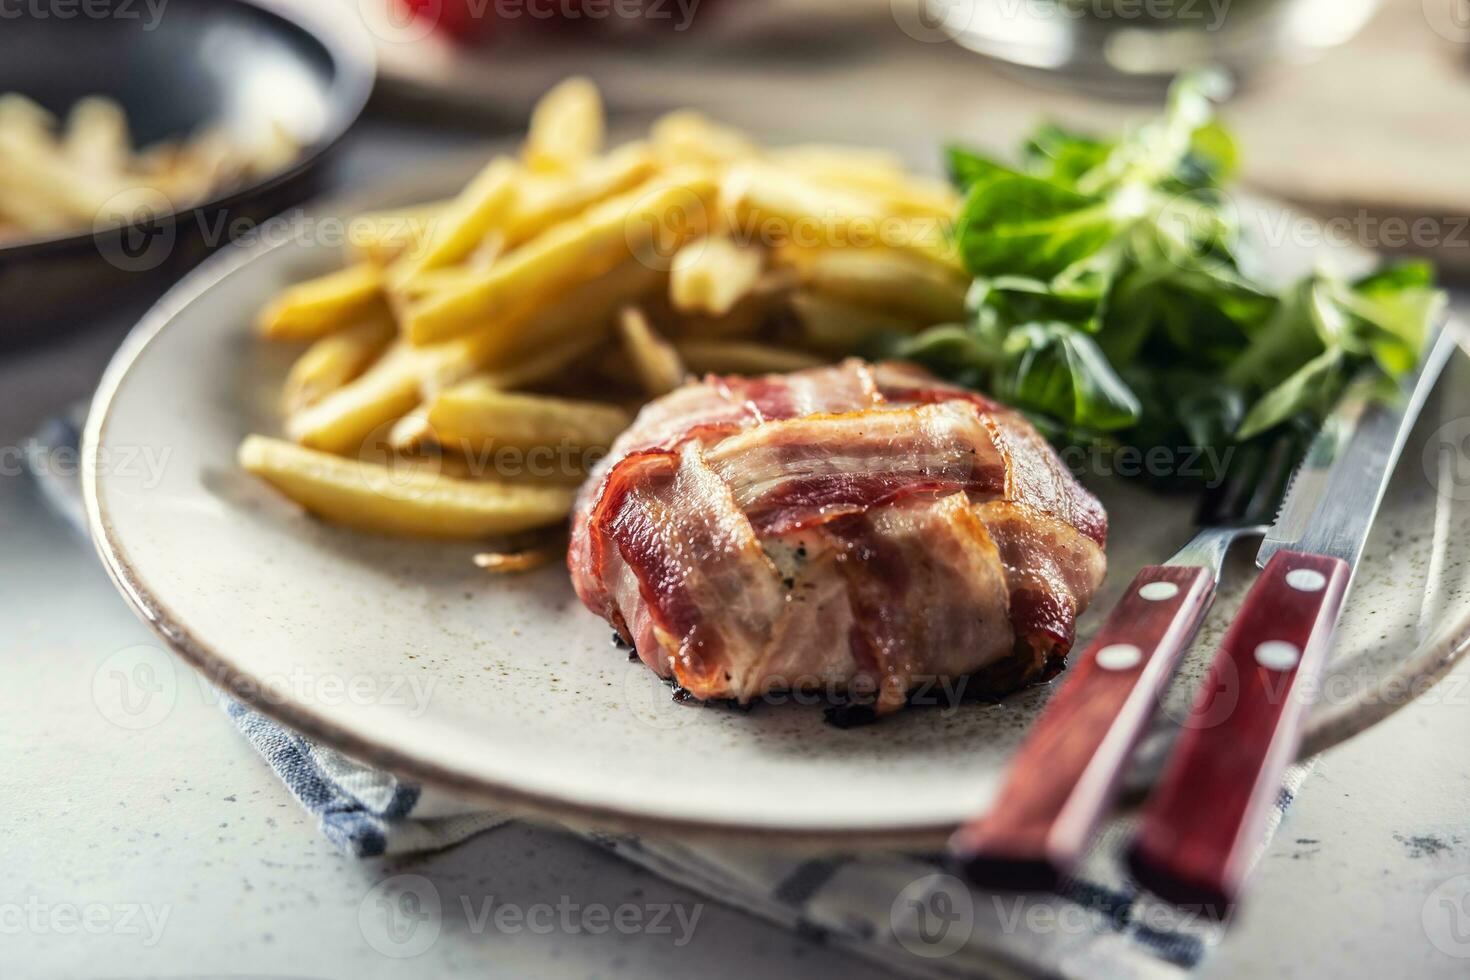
x: 1202, y: 828
x: 1065, y: 776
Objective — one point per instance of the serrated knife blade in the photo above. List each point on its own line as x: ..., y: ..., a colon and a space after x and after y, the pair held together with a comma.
x: 1332, y: 499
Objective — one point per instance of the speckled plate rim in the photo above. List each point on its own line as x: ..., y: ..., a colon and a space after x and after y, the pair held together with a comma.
x: 1418, y: 671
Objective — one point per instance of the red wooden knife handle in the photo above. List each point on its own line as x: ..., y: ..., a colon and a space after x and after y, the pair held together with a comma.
x: 1202, y: 828
x: 1065, y: 776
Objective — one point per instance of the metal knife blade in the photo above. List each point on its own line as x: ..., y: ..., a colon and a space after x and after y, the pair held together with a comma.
x: 1333, y: 497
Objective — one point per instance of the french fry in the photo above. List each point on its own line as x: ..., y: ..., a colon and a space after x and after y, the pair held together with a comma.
x: 512, y: 562
x: 830, y: 159
x: 872, y: 171
x: 343, y: 419
x: 752, y: 313
x: 413, y: 431
x: 23, y: 210
x: 742, y: 357
x: 549, y: 271
x: 475, y: 413
x: 400, y: 500
x: 546, y: 199
x: 552, y: 335
x: 334, y: 360
x: 711, y: 275
x: 490, y: 248
x: 35, y: 169
x: 380, y: 237
x: 684, y: 136
x: 406, y: 290
x: 477, y: 210
x: 800, y: 211
x: 766, y: 202
x: 653, y: 358
x: 534, y: 368
x: 25, y: 116
x: 88, y: 175
x: 666, y: 211
x: 889, y: 279
x: 566, y: 127
x: 911, y: 196
x: 97, y: 135
x: 316, y: 307
x: 836, y: 327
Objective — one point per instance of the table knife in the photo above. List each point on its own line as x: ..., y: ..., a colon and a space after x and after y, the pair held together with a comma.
x: 1205, y: 820
x: 1065, y: 776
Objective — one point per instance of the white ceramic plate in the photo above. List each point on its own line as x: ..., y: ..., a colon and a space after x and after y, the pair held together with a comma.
x: 506, y: 689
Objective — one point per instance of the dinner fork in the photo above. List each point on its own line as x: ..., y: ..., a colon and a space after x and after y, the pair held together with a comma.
x: 1065, y: 776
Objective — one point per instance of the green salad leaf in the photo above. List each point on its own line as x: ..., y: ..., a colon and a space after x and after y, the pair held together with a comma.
x: 1111, y: 304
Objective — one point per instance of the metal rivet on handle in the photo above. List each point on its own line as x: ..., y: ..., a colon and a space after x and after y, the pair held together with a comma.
x: 1119, y: 656
x: 1278, y: 655
x: 1158, y: 591
x: 1306, y: 579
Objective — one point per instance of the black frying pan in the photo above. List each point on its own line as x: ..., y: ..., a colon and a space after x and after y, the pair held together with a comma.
x: 174, y: 66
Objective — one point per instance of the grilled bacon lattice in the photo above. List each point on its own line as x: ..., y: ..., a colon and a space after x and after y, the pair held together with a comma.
x: 856, y: 528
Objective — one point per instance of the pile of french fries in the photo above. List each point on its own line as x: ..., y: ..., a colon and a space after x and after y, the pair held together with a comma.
x: 529, y: 317
x: 86, y: 174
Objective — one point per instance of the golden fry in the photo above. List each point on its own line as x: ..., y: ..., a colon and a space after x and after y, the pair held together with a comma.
x: 334, y: 360
x: 413, y: 431
x: 534, y: 368
x: 566, y: 127
x: 476, y: 413
x: 776, y: 207
x: 838, y: 158
x: 685, y: 137
x: 653, y: 358
x: 380, y: 237
x: 316, y: 307
x: 546, y: 199
x: 749, y: 316
x: 711, y: 275
x: 553, y: 335
x: 510, y: 562
x: 457, y: 231
x: 550, y: 270
x: 837, y: 327
x: 87, y: 174
x: 342, y: 420
x: 664, y: 213
x: 741, y: 357
x: 407, y: 499
x: 874, y: 172
x: 434, y: 281
x: 97, y: 135
x: 889, y: 279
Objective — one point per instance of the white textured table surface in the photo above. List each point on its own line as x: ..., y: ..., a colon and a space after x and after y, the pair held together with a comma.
x: 173, y: 851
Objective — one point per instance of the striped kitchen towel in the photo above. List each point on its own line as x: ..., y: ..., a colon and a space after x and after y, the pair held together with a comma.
x: 905, y: 911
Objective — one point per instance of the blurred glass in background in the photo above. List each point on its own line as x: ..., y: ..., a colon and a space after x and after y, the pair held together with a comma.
x: 1136, y: 46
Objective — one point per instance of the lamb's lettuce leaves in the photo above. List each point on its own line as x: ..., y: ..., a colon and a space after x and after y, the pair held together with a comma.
x: 1110, y: 303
